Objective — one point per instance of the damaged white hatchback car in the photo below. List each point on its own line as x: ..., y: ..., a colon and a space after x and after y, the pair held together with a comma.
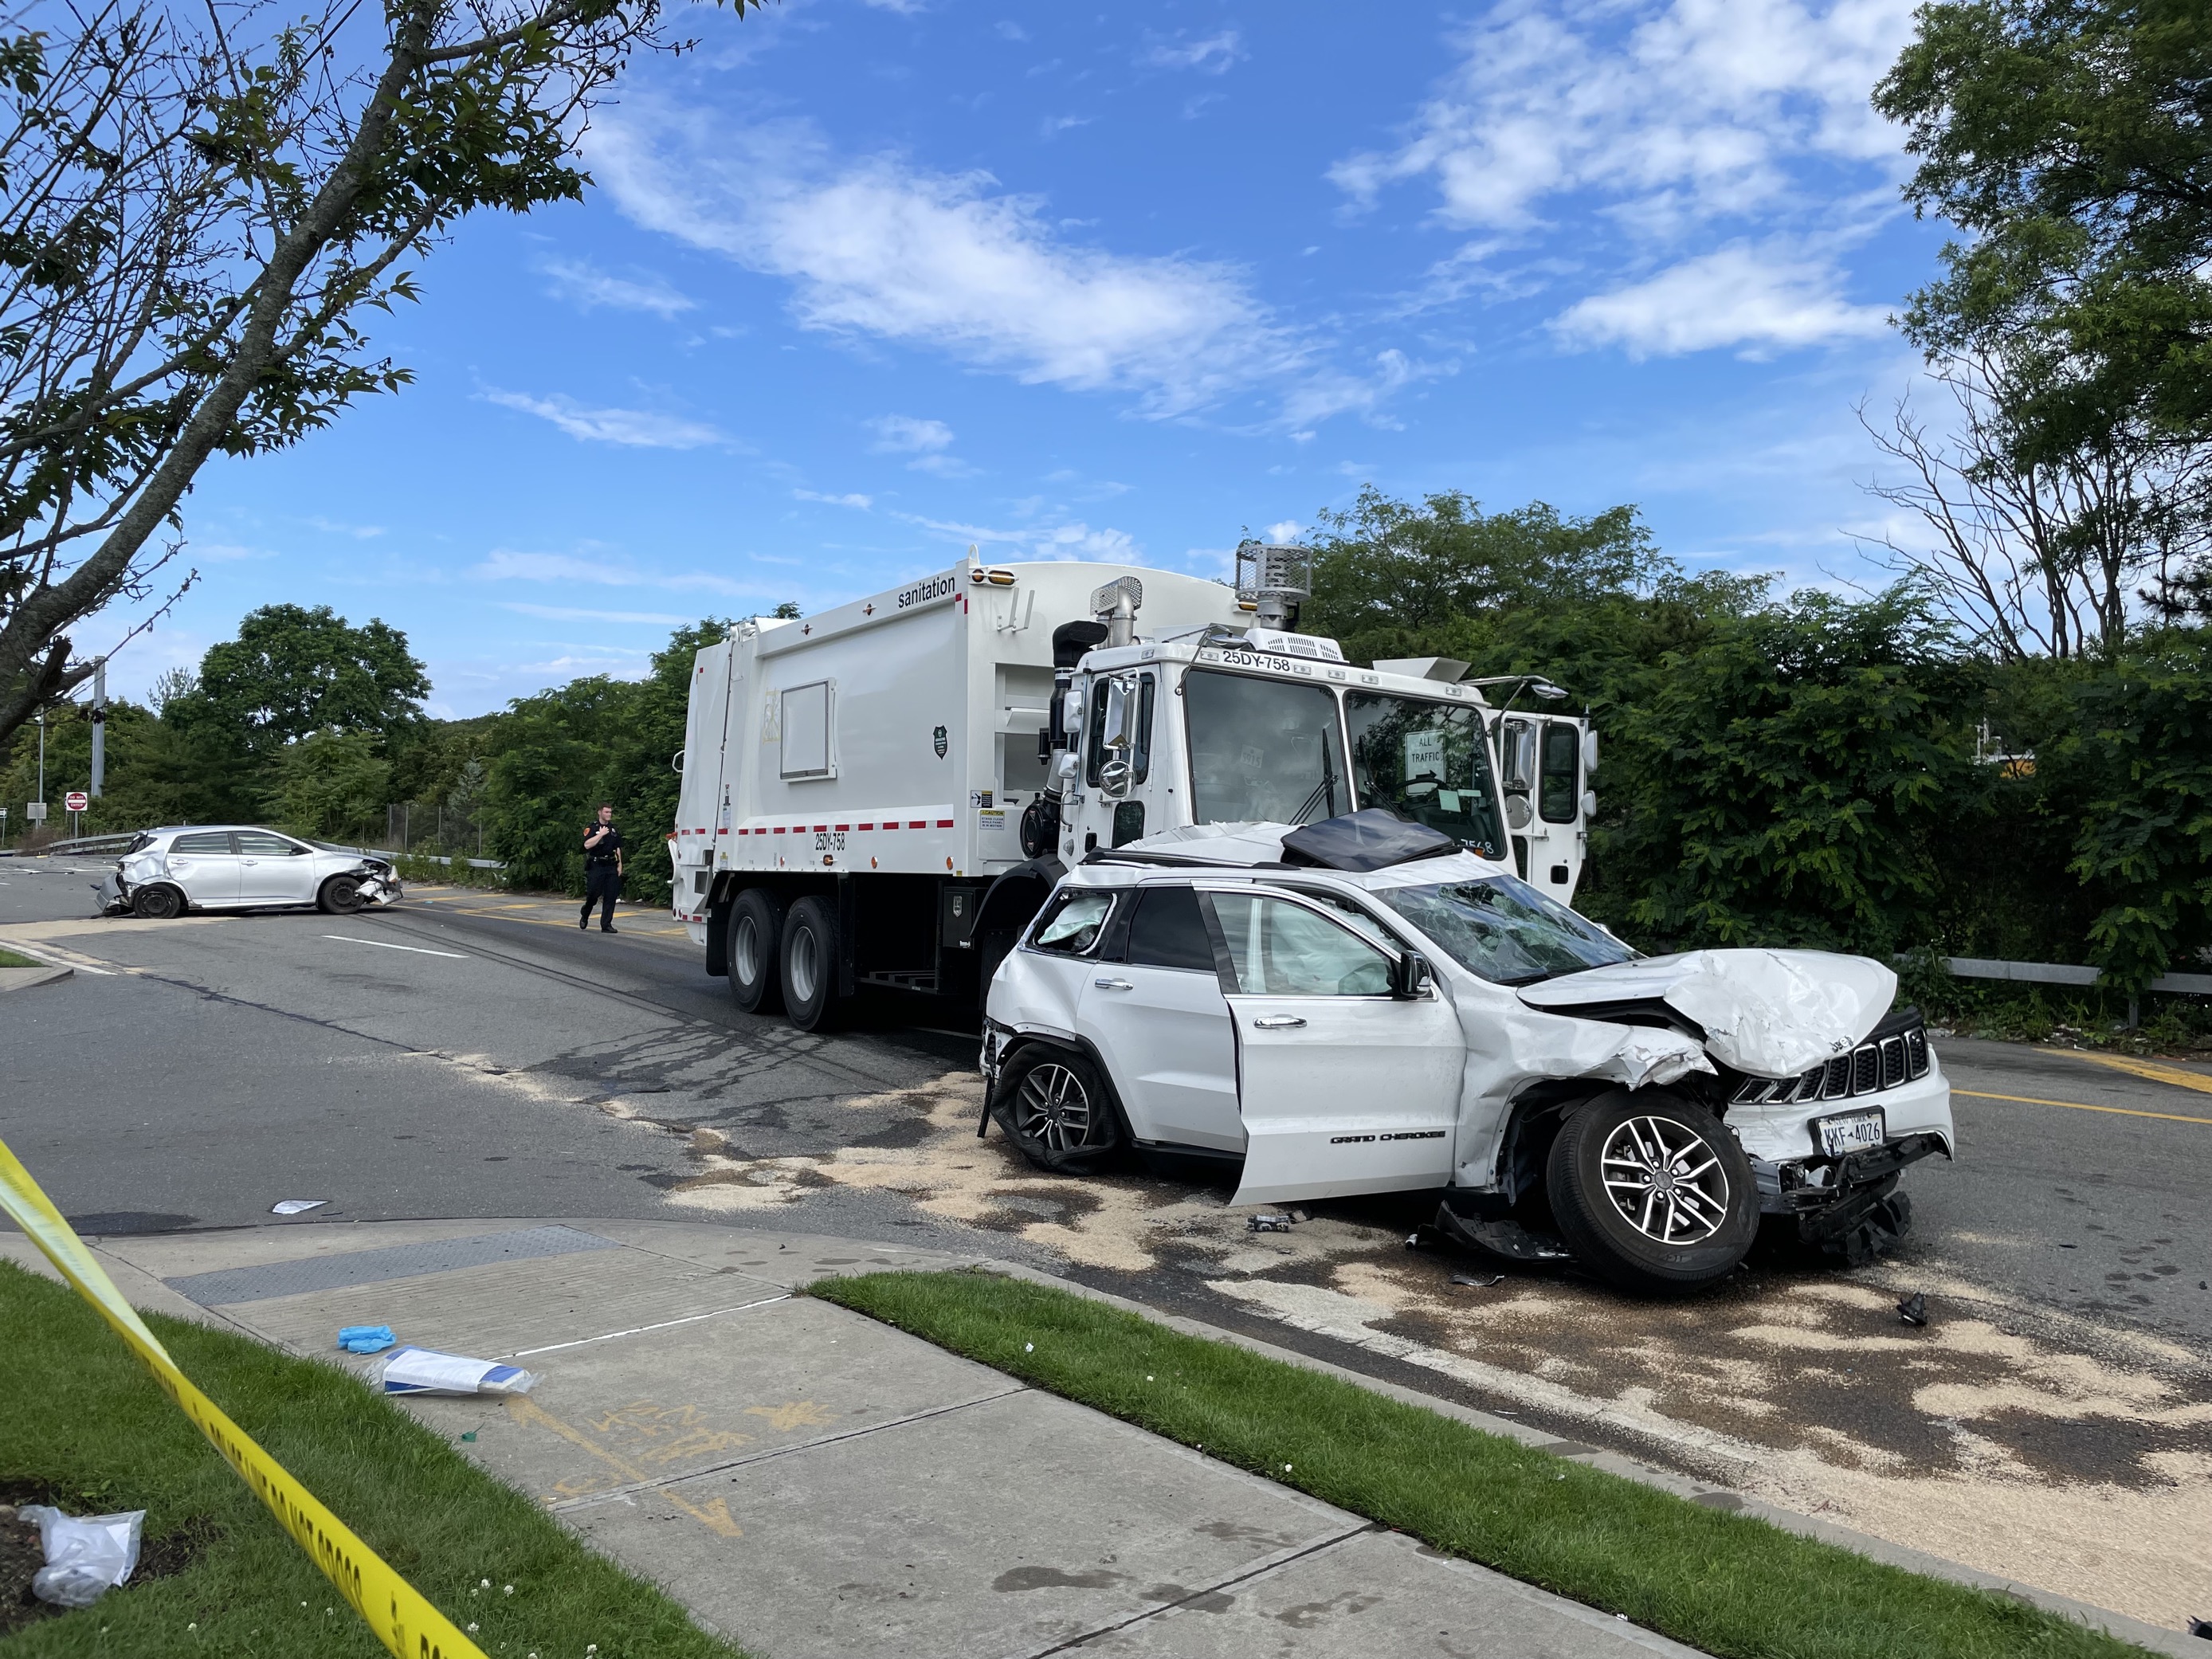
x: 1361, y: 1005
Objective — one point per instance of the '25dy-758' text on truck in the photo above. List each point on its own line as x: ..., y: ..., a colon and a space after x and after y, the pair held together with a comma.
x: 882, y: 795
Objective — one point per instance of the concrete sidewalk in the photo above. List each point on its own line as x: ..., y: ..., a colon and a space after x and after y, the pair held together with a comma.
x: 813, y: 1484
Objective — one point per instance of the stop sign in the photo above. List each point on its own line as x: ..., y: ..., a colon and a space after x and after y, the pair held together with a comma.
x: 76, y: 801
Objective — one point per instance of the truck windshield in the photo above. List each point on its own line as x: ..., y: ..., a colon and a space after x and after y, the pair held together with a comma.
x: 1263, y: 750
x: 1425, y: 761
x: 1504, y: 930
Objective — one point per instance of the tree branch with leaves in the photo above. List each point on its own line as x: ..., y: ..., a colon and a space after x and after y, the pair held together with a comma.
x: 199, y: 212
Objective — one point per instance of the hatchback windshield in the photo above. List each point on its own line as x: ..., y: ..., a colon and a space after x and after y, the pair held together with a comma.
x: 1504, y: 930
x: 1425, y: 761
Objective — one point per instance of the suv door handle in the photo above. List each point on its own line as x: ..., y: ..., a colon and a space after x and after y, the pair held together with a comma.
x: 1278, y: 1022
x: 1113, y: 985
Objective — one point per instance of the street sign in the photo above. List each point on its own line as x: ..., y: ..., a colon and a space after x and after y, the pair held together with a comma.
x: 35, y: 811
x: 77, y: 800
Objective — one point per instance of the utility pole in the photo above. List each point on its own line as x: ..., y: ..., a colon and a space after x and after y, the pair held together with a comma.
x: 99, y: 725
x: 42, y: 753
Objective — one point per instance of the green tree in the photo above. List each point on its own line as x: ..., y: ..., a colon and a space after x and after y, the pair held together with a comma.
x: 332, y: 784
x: 201, y: 208
x: 2072, y: 140
x: 292, y: 671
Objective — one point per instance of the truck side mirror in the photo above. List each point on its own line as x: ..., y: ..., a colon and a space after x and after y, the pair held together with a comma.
x: 1117, y: 734
x: 1410, y: 976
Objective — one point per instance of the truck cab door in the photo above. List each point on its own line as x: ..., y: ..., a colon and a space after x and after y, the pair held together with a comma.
x: 1545, y: 764
x: 1121, y: 798
x: 1344, y: 1087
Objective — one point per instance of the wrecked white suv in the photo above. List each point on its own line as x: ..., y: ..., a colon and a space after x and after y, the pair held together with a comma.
x: 1361, y: 1005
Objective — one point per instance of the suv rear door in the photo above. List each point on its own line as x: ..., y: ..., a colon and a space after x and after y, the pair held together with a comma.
x: 1343, y: 1087
x: 1158, y: 1018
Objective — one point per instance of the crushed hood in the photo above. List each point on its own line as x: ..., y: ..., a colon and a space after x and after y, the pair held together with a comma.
x: 1769, y: 1013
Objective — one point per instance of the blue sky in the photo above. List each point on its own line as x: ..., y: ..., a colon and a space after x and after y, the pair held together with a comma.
x: 864, y: 280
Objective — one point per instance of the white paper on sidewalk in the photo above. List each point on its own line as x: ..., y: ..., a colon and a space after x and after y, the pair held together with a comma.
x: 425, y: 1371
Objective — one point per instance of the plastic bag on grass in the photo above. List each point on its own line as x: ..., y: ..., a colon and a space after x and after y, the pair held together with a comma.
x: 85, y: 1558
x: 425, y: 1371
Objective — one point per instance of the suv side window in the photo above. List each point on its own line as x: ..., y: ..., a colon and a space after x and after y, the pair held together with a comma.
x: 206, y: 841
x: 1072, y: 923
x: 1169, y: 930
x: 1279, y: 948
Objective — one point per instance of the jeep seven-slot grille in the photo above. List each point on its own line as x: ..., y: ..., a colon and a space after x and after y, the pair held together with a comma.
x: 1880, y: 1063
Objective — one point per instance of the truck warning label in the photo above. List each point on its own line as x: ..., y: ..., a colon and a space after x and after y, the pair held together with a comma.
x: 937, y: 587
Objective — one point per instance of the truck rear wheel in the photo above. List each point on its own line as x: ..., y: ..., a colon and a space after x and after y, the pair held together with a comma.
x: 754, y: 949
x: 1652, y: 1192
x: 810, y: 964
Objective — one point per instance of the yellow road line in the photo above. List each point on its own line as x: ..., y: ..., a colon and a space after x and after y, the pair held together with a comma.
x: 2156, y: 1074
x: 2083, y: 1106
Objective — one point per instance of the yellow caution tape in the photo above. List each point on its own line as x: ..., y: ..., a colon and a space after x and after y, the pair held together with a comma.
x: 403, y: 1621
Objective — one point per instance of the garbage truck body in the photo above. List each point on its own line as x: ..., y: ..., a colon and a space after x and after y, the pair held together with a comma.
x: 885, y: 795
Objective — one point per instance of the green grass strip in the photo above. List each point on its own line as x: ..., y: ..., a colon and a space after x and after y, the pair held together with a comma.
x: 1734, y: 1586
x: 10, y: 959
x: 79, y: 1413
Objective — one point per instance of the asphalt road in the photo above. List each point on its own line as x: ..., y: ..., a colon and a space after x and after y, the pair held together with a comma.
x: 476, y: 1054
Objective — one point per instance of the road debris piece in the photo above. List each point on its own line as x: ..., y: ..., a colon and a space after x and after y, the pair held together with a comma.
x: 1267, y: 1223
x: 1298, y: 1215
x: 1478, y: 1284
x: 1913, y: 1311
x: 2201, y: 1627
x: 425, y: 1371
x: 85, y: 1558
x: 366, y: 1338
x: 296, y: 1206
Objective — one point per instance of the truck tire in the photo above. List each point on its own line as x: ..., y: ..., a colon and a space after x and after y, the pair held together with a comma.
x: 810, y: 964
x: 1054, y: 1104
x: 1652, y: 1192
x: 994, y: 948
x: 755, y: 950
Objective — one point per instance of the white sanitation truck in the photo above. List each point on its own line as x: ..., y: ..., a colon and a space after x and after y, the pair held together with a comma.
x: 886, y: 793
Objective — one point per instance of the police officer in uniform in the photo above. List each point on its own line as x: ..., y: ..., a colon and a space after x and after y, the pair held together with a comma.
x: 602, y: 869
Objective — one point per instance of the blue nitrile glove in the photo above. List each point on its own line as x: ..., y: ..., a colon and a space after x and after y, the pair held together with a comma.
x: 366, y: 1338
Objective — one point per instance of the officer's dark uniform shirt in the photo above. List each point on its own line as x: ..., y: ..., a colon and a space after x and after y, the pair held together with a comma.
x: 607, y: 847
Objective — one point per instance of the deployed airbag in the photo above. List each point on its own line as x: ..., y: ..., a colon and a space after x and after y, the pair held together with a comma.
x: 1769, y: 1013
x: 1374, y: 839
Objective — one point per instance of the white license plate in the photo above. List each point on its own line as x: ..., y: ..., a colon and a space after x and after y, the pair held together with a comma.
x: 1853, y: 1133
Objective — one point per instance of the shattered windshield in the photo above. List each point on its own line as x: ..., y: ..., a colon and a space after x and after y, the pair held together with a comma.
x: 1504, y: 930
x: 1425, y: 761
x: 1263, y: 751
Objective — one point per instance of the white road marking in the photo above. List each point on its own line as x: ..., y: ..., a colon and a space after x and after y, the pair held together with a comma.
x: 54, y: 958
x: 347, y: 939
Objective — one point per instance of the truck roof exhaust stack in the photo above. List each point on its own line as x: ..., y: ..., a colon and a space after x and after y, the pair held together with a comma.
x: 1272, y: 582
x: 1116, y: 605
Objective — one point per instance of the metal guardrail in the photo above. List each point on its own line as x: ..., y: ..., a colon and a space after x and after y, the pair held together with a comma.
x: 2054, y: 973
x: 114, y: 843
x: 431, y: 858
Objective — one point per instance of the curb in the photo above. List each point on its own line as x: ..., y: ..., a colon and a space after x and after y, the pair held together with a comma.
x: 23, y: 979
x: 2156, y: 1637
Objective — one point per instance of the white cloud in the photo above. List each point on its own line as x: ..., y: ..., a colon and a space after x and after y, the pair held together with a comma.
x: 1690, y: 110
x: 579, y: 613
x: 945, y: 261
x: 852, y: 499
x: 505, y: 564
x: 1662, y: 128
x: 1757, y: 298
x: 1063, y: 541
x: 588, y: 286
x: 359, y: 532
x: 902, y: 435
x: 641, y: 428
x: 903, y: 7
x: 1212, y: 55
x: 1285, y: 533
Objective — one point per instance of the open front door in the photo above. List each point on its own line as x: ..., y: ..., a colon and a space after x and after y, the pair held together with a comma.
x: 1546, y: 763
x: 1343, y: 1087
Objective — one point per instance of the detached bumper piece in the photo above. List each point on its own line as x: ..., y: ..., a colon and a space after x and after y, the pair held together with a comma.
x: 1847, y: 1207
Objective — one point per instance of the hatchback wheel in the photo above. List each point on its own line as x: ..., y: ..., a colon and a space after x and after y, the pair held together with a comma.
x: 341, y: 896
x: 1056, y: 1108
x: 1652, y: 1191
x: 157, y: 903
